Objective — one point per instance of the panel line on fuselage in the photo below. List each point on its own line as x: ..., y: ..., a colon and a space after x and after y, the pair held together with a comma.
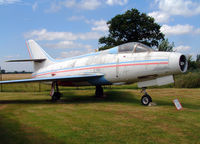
x: 106, y: 65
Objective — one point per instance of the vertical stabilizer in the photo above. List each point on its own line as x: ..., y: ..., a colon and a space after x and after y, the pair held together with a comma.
x: 36, y: 52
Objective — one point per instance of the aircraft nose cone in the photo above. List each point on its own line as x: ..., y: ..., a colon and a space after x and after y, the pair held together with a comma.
x: 178, y: 63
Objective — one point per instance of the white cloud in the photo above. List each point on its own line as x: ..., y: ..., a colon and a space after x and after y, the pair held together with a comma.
x: 84, y: 49
x: 76, y: 18
x: 35, y: 6
x: 100, y: 25
x: 74, y: 53
x: 68, y: 45
x: 182, y: 48
x: 68, y: 3
x: 89, y: 35
x: 116, y: 2
x: 179, y: 7
x: 2, y: 2
x: 177, y: 29
x: 89, y: 4
x: 43, y: 34
x: 197, y: 31
x: 168, y: 8
x: 160, y: 17
x: 83, y: 4
x: 97, y: 25
x: 70, y: 54
x: 53, y: 8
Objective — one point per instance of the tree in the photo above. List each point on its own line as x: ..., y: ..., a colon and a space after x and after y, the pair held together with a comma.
x: 198, y: 58
x: 198, y: 61
x: 3, y: 71
x: 192, y: 65
x: 165, y: 46
x: 132, y: 26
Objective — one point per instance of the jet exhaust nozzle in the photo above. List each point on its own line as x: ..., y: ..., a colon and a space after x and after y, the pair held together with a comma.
x: 178, y: 63
x: 183, y: 63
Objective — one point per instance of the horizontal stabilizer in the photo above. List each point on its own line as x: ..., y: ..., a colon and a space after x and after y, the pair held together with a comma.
x: 27, y: 60
x: 78, y: 78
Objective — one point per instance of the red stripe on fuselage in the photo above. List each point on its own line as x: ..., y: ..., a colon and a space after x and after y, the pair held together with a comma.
x: 28, y: 50
x: 109, y: 66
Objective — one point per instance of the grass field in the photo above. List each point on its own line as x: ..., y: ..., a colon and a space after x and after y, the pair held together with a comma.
x: 28, y: 116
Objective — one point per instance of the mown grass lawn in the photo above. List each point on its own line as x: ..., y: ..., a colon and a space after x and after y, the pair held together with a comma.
x: 30, y: 117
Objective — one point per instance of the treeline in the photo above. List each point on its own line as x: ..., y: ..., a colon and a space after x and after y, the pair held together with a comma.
x: 191, y: 79
x: 194, y: 65
x: 15, y: 72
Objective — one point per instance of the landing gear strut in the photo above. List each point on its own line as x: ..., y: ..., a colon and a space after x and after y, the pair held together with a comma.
x: 99, y: 91
x: 146, y: 99
x: 55, y: 95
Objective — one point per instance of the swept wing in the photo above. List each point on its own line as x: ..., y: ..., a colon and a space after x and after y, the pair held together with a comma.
x: 77, y: 78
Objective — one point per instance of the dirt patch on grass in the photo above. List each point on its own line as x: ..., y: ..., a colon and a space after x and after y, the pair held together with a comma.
x: 2, y: 107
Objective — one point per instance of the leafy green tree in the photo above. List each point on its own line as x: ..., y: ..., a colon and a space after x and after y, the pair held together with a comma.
x: 3, y: 71
x: 198, y: 61
x: 198, y: 58
x: 165, y: 46
x: 132, y: 26
x: 192, y: 65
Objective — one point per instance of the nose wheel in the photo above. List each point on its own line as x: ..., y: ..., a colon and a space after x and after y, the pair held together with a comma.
x: 146, y: 99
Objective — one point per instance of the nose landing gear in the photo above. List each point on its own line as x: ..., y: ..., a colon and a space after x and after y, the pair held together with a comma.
x: 146, y: 99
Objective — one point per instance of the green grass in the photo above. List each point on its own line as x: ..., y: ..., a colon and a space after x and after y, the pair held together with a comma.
x: 30, y: 117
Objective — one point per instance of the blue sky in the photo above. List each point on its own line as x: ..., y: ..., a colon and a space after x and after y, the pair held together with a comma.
x: 66, y: 28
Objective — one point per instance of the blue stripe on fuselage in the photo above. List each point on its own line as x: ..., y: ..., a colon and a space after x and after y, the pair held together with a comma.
x: 138, y: 61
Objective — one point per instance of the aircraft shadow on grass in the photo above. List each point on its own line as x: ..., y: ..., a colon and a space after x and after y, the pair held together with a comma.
x: 72, y: 98
x: 111, y: 97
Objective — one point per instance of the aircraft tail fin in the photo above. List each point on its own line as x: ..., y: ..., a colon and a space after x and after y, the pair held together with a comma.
x: 36, y: 52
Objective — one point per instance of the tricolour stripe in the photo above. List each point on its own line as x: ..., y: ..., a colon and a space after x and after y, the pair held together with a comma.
x: 28, y: 50
x: 98, y: 67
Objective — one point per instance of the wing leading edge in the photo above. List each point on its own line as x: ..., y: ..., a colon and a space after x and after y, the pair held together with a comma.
x: 77, y: 78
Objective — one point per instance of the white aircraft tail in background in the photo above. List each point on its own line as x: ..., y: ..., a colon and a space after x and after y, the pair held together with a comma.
x: 36, y: 52
x: 123, y: 64
x: 37, y: 55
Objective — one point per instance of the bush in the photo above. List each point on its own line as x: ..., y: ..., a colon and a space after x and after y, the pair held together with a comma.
x: 188, y: 80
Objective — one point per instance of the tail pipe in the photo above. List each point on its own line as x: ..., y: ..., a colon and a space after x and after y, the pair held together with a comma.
x: 178, y: 63
x: 183, y: 63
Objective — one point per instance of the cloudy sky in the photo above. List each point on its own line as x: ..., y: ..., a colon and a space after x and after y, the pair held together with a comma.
x: 66, y: 28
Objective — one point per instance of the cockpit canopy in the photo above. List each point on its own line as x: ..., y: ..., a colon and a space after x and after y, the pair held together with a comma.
x: 133, y: 47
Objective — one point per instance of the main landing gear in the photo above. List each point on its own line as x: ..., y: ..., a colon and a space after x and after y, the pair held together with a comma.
x: 55, y: 95
x: 99, y: 91
x: 146, y: 99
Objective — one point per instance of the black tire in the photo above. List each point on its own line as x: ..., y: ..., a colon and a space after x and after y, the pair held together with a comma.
x: 99, y: 91
x: 56, y: 96
x: 146, y: 99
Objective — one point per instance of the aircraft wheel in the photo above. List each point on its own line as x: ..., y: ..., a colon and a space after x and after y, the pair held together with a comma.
x: 56, y: 96
x: 146, y: 99
x: 99, y: 91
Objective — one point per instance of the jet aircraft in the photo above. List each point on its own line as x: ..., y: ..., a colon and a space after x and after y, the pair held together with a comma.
x: 124, y: 64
